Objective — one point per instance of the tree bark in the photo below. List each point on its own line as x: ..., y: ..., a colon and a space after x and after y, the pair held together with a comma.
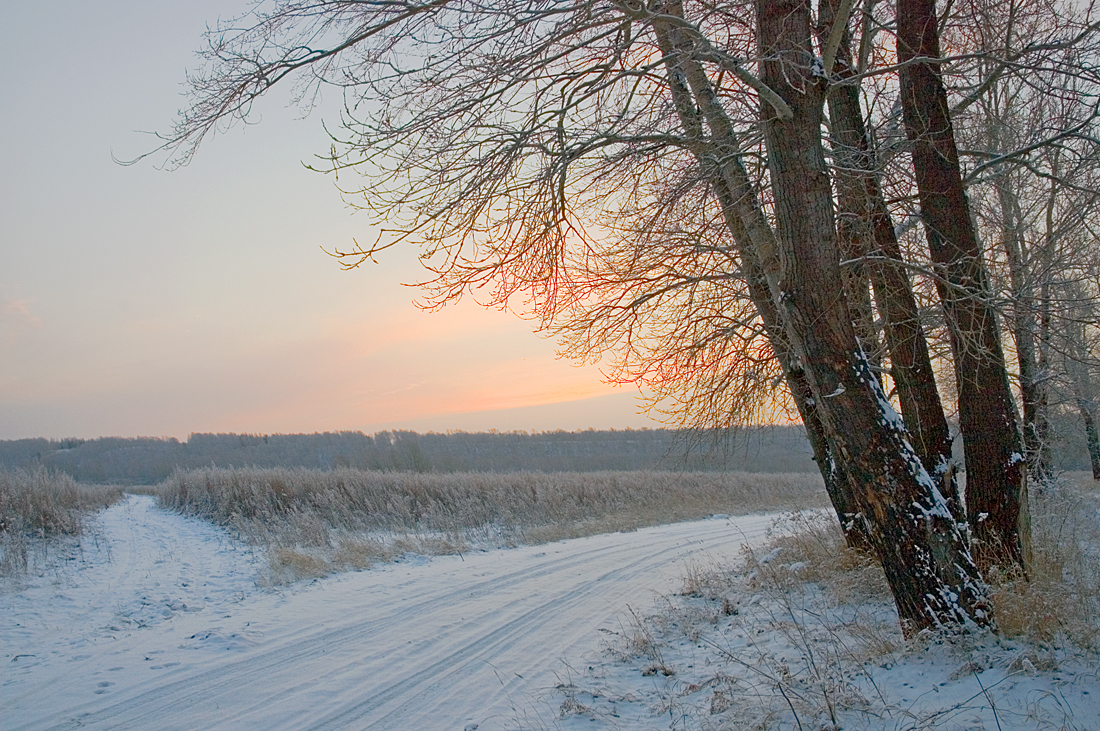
x: 996, y: 494
x: 1091, y: 438
x: 865, y: 221
x: 931, y: 574
x: 719, y: 157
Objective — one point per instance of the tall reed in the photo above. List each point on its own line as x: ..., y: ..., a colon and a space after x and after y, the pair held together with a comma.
x: 294, y: 508
x: 355, y: 499
x: 40, y: 504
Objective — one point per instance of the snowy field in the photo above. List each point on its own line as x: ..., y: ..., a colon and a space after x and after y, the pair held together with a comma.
x: 156, y: 622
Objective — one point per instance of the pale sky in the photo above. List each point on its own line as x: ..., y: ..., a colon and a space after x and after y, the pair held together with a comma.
x: 135, y: 301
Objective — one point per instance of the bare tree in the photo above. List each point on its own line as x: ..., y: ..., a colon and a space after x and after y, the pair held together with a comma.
x: 996, y: 501
x: 651, y: 180
x: 1028, y: 136
x: 867, y: 235
x: 886, y: 475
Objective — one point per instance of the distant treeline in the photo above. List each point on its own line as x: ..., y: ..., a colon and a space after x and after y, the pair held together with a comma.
x: 149, y: 460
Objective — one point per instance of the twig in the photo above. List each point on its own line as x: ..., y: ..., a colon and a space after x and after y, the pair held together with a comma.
x: 989, y: 697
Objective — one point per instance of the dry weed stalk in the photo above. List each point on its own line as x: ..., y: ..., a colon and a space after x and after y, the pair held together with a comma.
x: 1060, y: 600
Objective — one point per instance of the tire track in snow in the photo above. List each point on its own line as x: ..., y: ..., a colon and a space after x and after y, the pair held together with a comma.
x: 359, y: 669
x: 408, y: 689
x: 184, y: 693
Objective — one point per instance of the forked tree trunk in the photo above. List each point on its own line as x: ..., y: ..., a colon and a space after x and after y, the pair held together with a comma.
x: 932, y: 577
x: 719, y: 156
x: 996, y: 494
x: 865, y: 222
x: 909, y: 525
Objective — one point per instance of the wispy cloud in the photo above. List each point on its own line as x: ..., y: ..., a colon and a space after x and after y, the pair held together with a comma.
x: 16, y: 319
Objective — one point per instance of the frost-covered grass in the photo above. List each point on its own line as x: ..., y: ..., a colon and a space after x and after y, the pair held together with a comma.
x: 801, y: 633
x: 40, y: 505
x: 1061, y: 598
x: 314, y: 522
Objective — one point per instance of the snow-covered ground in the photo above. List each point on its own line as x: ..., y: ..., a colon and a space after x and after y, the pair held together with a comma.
x: 158, y: 623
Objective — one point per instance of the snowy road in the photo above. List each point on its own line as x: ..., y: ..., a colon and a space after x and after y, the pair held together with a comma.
x: 171, y: 633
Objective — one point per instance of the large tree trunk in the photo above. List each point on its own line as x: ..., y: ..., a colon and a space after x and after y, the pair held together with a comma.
x: 908, y: 522
x: 854, y: 236
x: 923, y: 553
x: 719, y: 157
x: 866, y: 224
x: 996, y: 493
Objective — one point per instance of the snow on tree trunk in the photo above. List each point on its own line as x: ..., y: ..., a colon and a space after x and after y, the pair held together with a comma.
x: 933, y: 578
x: 719, y: 155
x: 996, y: 471
x: 865, y: 219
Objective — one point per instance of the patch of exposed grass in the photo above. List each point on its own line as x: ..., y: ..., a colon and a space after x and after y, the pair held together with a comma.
x: 325, y: 513
x: 39, y: 505
x: 810, y: 548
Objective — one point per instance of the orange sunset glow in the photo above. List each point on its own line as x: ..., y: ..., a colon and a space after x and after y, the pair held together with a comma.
x: 136, y: 301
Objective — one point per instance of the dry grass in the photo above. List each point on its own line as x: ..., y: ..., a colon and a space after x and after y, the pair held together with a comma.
x: 1061, y: 598
x: 348, y: 519
x: 39, y: 505
x: 761, y: 645
x: 810, y: 547
x: 792, y: 636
